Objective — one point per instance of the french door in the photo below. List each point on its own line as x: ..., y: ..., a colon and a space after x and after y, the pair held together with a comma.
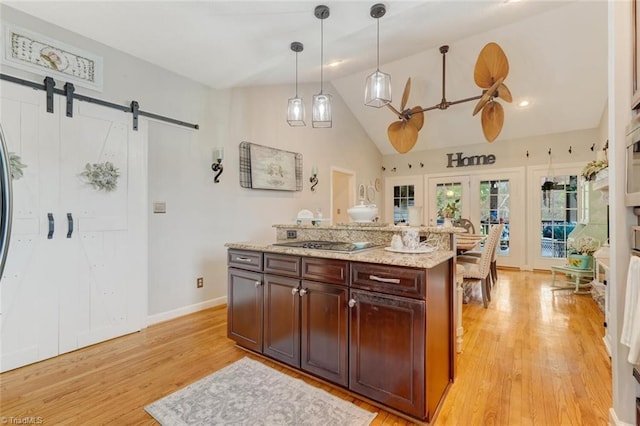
x: 77, y: 267
x: 485, y: 199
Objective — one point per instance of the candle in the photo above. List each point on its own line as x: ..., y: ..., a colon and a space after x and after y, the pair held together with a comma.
x: 314, y: 170
x: 218, y: 153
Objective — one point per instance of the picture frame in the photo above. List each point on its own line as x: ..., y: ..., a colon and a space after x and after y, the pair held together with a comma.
x: 635, y: 55
x: 29, y: 51
x: 263, y: 167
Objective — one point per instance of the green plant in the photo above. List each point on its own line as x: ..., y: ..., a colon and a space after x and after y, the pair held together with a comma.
x: 583, y: 245
x: 449, y: 210
x: 15, y: 166
x: 593, y: 167
x: 102, y: 176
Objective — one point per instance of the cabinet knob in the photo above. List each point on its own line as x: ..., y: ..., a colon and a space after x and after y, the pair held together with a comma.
x: 352, y: 303
x: 303, y: 291
x: 258, y: 283
x: 295, y: 290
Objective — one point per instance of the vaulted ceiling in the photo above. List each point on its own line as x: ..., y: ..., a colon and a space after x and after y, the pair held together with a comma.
x: 557, y: 52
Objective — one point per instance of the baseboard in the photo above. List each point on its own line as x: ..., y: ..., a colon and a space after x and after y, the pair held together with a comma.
x: 185, y: 310
x: 615, y: 421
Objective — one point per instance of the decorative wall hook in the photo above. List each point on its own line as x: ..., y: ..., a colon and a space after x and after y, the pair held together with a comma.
x: 314, y: 178
x: 421, y: 164
x: 410, y: 165
x: 527, y: 153
x: 384, y: 168
x: 393, y: 170
x: 549, y: 152
x: 570, y: 150
x: 593, y: 146
x: 218, y: 154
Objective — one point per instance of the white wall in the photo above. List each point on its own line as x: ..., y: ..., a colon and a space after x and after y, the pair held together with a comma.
x: 188, y: 241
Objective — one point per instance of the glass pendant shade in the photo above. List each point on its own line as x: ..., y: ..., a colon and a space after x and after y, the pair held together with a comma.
x: 295, y: 112
x: 321, y: 110
x: 377, y: 92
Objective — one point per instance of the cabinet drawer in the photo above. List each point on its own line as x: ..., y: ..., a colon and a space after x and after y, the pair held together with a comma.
x: 389, y: 279
x: 282, y: 264
x: 245, y: 259
x: 331, y: 271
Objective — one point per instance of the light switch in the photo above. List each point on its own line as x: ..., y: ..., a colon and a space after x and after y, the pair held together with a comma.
x: 160, y: 207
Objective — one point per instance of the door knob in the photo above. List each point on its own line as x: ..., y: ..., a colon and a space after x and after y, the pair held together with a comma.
x: 352, y: 303
x: 303, y: 291
x: 258, y: 284
x: 295, y: 290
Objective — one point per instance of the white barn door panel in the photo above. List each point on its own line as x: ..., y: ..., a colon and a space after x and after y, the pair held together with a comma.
x: 92, y: 283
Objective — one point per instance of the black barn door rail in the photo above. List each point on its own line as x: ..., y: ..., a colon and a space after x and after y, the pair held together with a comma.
x: 69, y: 93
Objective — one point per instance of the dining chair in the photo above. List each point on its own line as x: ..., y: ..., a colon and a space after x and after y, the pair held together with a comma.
x: 494, y: 261
x: 479, y: 269
x: 466, y: 224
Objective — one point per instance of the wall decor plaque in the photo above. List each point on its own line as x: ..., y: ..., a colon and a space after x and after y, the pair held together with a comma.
x: 29, y: 51
x: 262, y: 167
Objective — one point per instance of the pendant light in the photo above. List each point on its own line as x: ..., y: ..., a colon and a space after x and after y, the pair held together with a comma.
x: 377, y: 92
x: 295, y: 110
x: 321, y: 113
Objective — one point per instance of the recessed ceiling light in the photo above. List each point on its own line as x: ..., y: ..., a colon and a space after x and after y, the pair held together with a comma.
x: 334, y: 64
x: 523, y: 103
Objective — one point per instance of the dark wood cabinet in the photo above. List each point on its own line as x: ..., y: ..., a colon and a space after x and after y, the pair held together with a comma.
x: 282, y: 319
x: 244, y: 308
x: 306, y: 320
x: 325, y: 331
x: 387, y: 356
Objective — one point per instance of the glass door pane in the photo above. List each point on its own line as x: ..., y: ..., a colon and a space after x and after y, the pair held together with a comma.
x: 558, y: 213
x: 404, y: 196
x: 495, y: 208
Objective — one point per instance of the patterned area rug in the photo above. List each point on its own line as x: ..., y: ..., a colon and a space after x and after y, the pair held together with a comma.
x: 250, y: 393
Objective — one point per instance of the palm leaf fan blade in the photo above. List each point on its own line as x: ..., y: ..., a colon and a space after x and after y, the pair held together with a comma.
x: 405, y: 94
x: 492, y: 120
x: 402, y: 135
x: 491, y: 64
x: 417, y: 117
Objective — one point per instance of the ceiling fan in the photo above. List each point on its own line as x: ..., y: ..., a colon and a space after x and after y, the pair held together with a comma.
x: 489, y: 74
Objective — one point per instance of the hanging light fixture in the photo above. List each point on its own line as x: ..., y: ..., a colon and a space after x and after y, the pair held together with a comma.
x: 295, y: 110
x: 321, y: 113
x: 377, y: 92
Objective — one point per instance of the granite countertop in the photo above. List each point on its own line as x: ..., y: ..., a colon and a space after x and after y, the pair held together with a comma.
x: 373, y: 226
x: 372, y: 255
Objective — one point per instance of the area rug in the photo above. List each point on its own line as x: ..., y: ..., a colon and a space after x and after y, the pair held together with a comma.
x: 250, y: 393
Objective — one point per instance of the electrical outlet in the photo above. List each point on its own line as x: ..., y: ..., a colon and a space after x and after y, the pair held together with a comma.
x: 200, y: 282
x: 292, y: 234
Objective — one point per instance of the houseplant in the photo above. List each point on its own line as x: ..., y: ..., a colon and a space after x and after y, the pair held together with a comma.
x: 581, y: 252
x: 593, y: 167
x: 448, y: 212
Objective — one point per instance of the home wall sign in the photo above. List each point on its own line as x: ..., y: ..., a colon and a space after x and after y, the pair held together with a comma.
x: 34, y: 52
x: 262, y: 167
x: 458, y: 160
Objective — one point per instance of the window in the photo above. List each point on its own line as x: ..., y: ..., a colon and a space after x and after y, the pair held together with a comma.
x: 495, y: 208
x: 558, y: 213
x: 403, y: 197
x: 447, y: 193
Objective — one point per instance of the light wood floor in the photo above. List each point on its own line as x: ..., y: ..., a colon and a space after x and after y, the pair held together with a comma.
x: 532, y: 358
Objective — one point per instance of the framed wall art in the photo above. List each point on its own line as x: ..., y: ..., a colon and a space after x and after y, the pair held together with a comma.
x: 262, y: 167
x: 33, y: 52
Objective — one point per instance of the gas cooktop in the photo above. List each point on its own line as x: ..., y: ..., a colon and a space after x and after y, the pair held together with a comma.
x: 327, y: 245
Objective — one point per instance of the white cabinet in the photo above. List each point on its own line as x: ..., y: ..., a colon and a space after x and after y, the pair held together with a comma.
x: 84, y: 280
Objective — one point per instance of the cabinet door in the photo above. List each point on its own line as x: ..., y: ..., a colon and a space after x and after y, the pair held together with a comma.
x: 244, y: 312
x: 386, y: 353
x: 282, y: 319
x: 325, y: 331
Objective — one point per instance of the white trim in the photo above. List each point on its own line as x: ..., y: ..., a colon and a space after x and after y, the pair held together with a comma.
x: 185, y: 310
x: 614, y: 420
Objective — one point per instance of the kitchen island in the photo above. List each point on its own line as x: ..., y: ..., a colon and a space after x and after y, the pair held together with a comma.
x: 377, y: 323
